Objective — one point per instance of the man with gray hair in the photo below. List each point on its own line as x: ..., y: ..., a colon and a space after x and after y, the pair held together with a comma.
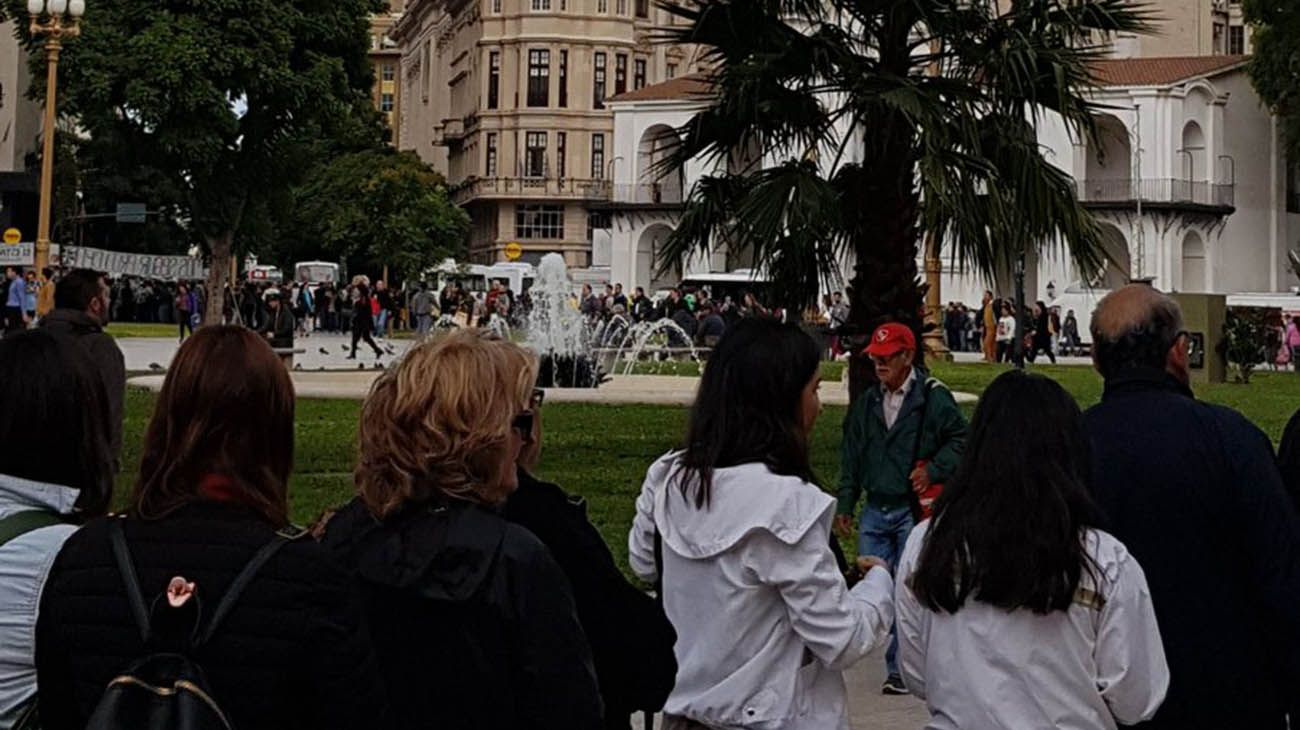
x: 1193, y: 491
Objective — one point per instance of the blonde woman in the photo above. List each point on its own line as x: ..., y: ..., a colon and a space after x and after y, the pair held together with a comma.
x: 472, y: 619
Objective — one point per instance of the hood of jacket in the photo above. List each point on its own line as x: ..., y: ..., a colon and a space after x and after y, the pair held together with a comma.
x: 72, y: 322
x: 20, y: 495
x: 744, y: 500
x: 441, y: 552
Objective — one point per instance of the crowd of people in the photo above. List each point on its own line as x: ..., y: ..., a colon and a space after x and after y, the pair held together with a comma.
x: 990, y: 329
x: 1136, y: 563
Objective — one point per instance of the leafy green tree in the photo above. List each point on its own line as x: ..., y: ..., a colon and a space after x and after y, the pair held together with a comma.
x: 940, y: 100
x: 221, y: 99
x: 387, y: 208
x: 1275, y: 61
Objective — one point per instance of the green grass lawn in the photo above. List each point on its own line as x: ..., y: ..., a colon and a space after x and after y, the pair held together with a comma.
x: 602, y: 452
x: 129, y: 330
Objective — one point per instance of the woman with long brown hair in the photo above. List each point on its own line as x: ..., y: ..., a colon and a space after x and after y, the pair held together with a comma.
x: 212, y: 494
x: 473, y: 621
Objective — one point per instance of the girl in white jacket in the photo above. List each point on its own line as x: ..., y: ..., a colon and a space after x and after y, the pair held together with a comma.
x: 765, y: 622
x: 1014, y: 610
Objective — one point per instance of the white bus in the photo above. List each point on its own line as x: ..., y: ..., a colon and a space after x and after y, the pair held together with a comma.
x: 518, y: 277
x: 316, y: 273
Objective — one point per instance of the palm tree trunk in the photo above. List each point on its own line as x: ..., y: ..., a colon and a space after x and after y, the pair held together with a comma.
x: 885, y: 286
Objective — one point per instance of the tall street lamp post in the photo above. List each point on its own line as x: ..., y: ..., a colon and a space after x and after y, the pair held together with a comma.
x: 56, y: 20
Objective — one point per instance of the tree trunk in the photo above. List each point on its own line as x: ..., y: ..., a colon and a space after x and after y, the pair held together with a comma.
x: 222, y: 247
x: 886, y: 285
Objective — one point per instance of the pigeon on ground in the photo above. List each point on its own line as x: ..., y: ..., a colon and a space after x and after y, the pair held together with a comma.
x: 297, y: 366
x: 361, y: 366
x: 155, y: 366
x: 389, y: 349
x: 345, y: 348
x: 323, y: 351
x: 379, y: 365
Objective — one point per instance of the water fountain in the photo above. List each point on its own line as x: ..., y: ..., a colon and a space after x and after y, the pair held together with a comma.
x: 558, y: 333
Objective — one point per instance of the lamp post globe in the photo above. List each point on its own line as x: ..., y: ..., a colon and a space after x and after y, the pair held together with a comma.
x: 35, y: 7
x: 58, y: 7
x: 77, y: 8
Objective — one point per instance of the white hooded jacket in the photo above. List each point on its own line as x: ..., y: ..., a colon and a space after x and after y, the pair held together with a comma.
x: 765, y: 623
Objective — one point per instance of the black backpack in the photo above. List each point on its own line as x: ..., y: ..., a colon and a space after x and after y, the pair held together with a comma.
x: 167, y: 690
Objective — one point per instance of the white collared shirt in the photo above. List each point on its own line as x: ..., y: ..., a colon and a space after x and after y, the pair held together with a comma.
x: 893, y: 399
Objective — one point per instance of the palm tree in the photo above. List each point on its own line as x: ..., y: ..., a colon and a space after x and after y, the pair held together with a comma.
x: 849, y: 128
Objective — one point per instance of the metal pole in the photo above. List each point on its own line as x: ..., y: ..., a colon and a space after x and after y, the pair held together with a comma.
x: 1018, y: 347
x: 53, y: 45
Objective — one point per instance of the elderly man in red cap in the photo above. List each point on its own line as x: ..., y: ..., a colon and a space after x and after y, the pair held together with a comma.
x: 902, y: 440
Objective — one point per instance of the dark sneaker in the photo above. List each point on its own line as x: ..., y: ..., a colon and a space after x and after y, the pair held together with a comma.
x: 894, y: 686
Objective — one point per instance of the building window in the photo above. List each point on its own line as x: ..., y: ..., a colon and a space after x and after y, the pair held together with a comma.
x: 426, y: 66
x: 539, y: 221
x: 539, y: 78
x: 490, y: 166
x: 388, y: 72
x: 1219, y: 46
x: 598, y: 85
x: 621, y: 7
x: 620, y: 73
x: 494, y: 79
x: 1237, y: 40
x: 602, y: 6
x: 541, y: 5
x: 496, y: 6
x: 642, y: 8
x: 561, y: 149
x: 671, y: 71
x: 1292, y: 187
x: 535, y: 154
x: 385, y: 103
x: 598, y: 221
x: 638, y: 73
x: 597, y: 156
x: 564, y: 79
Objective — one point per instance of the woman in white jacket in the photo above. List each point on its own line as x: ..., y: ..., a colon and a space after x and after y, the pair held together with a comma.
x: 765, y: 621
x: 1014, y: 610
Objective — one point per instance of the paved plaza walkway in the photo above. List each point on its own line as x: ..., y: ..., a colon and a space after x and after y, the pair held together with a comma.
x: 329, y: 374
x: 870, y: 710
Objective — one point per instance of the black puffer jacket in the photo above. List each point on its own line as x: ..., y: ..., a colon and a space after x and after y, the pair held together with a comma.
x: 292, y: 654
x: 473, y: 621
x: 631, y: 638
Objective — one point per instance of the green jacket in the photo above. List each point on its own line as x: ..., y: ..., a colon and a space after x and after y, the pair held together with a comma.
x: 879, y: 461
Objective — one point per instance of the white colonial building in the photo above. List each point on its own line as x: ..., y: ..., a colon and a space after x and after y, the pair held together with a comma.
x: 1189, y: 179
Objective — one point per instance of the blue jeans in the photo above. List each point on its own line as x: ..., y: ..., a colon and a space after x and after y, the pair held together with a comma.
x: 882, y: 533
x: 381, y: 324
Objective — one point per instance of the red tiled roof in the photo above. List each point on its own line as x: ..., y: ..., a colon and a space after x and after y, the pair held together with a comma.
x: 1161, y: 71
x: 682, y: 88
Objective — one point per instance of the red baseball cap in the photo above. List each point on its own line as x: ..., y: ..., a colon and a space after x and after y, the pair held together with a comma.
x: 890, y: 339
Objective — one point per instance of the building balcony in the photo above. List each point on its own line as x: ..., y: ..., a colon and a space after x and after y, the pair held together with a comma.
x: 449, y: 131
x: 1158, y: 194
x: 529, y: 188
x: 625, y: 196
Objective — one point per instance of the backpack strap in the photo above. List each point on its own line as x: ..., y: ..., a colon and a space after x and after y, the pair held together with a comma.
x: 130, y: 581
x: 237, y: 586
x: 20, y: 523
